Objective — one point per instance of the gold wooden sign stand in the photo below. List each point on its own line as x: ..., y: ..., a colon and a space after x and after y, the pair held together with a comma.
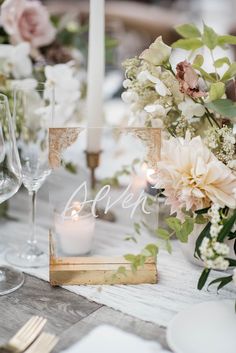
x: 97, y: 270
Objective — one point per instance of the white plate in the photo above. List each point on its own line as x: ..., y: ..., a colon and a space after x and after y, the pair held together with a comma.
x: 209, y: 327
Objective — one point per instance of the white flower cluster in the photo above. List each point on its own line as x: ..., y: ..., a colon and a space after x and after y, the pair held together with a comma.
x: 222, y: 141
x: 151, y: 91
x: 213, y: 253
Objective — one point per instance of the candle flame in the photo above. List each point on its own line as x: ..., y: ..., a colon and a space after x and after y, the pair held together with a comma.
x: 151, y: 176
x: 74, y: 215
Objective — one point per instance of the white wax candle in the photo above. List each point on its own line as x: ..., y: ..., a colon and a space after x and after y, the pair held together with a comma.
x: 75, y: 233
x: 96, y: 70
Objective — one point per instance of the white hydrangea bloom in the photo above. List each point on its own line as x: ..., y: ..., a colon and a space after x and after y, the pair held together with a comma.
x: 15, y: 60
x: 190, y: 109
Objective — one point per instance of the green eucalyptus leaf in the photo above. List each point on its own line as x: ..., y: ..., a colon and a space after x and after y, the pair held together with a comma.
x: 131, y: 238
x: 129, y: 257
x: 199, y: 60
x: 152, y: 249
x: 200, y: 219
x: 122, y: 271
x: 188, y: 44
x: 217, y: 90
x: 226, y: 39
x: 137, y: 228
x: 232, y: 262
x: 168, y: 246
x: 188, y: 31
x: 203, y: 278
x: 202, y: 210
x: 232, y: 235
x: 186, y: 229
x: 174, y: 223
x: 209, y: 37
x: 224, y: 107
x: 220, y: 62
x: 231, y: 72
x: 225, y: 231
x: 163, y: 233
x: 223, y: 281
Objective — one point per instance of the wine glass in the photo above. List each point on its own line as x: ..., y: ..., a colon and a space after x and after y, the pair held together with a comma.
x: 10, y: 181
x: 36, y: 106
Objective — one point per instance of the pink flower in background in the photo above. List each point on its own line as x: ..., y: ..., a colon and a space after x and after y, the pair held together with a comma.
x: 193, y: 177
x: 188, y: 80
x: 27, y: 21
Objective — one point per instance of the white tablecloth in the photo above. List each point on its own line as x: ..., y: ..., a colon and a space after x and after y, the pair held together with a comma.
x: 156, y: 303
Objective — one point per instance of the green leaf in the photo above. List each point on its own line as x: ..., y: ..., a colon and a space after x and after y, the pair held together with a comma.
x: 188, y: 31
x: 71, y: 167
x: 202, y: 210
x: 232, y: 235
x: 232, y: 262
x: 152, y: 249
x: 129, y: 257
x: 224, y: 107
x: 188, y: 44
x: 223, y: 281
x: 203, y: 278
x: 204, y: 74
x: 217, y: 90
x: 163, y: 233
x: 200, y: 219
x: 220, y: 62
x: 205, y: 233
x: 226, y: 39
x: 199, y: 60
x: 227, y: 228
x: 209, y: 37
x: 231, y: 72
x: 131, y: 238
x: 137, y: 228
x: 168, y: 246
x: 122, y: 271
x: 174, y: 223
x: 186, y: 229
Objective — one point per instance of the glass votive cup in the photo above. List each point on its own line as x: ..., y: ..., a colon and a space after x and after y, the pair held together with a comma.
x: 75, y: 230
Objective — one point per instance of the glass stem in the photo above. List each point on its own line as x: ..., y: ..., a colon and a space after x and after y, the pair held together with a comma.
x: 32, y: 239
x: 2, y: 276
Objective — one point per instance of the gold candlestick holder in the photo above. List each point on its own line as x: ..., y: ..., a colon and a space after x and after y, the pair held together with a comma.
x: 93, y: 159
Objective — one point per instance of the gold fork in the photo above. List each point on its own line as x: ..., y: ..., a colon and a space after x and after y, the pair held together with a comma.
x: 43, y: 344
x: 25, y: 336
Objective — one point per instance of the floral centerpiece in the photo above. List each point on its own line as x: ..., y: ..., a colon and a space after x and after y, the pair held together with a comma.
x: 194, y: 104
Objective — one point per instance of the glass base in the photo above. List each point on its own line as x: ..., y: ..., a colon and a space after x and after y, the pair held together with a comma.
x: 2, y: 247
x: 30, y: 256
x: 10, y: 280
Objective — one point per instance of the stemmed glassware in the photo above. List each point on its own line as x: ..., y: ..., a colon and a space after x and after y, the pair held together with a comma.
x: 10, y: 181
x: 36, y: 106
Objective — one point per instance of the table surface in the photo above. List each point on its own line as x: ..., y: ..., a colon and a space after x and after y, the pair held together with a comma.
x: 69, y: 316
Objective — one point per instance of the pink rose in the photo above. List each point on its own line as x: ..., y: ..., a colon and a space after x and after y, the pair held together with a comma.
x: 27, y: 21
x: 188, y: 80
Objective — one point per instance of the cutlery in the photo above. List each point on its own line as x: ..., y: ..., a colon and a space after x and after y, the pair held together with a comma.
x: 25, y: 336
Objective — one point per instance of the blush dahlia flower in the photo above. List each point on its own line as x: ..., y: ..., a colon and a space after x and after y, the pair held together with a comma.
x: 193, y: 177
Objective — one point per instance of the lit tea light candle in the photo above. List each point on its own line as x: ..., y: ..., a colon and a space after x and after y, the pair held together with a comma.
x: 75, y: 230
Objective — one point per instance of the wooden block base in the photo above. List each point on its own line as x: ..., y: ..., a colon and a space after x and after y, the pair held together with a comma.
x: 97, y: 270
